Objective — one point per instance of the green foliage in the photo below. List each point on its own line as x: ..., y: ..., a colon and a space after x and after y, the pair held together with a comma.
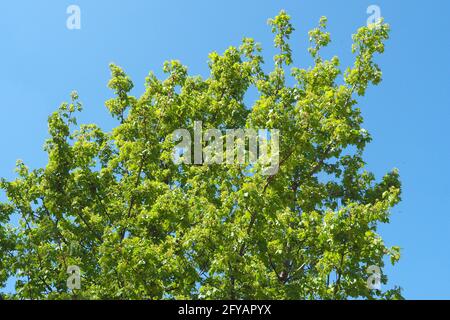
x: 141, y: 227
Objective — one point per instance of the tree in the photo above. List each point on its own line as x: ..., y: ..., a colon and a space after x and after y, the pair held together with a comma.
x: 140, y: 226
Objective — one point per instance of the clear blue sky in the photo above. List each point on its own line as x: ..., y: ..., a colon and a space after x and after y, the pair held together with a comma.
x: 41, y: 62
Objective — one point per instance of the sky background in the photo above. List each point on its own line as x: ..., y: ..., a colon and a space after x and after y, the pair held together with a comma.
x: 408, y: 114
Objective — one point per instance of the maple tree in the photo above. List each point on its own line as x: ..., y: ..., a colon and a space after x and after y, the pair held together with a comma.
x: 140, y: 226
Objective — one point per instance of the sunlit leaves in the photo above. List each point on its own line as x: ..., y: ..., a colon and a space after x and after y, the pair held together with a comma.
x: 140, y: 226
